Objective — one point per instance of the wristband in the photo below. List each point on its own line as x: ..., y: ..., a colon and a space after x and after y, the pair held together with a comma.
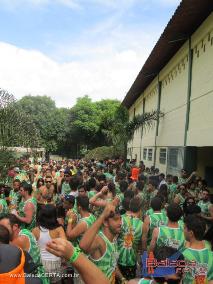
x: 75, y: 255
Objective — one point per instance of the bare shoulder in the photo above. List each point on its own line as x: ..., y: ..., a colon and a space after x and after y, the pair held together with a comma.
x: 36, y: 232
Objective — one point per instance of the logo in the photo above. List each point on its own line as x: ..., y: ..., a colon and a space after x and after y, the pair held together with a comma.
x: 160, y: 268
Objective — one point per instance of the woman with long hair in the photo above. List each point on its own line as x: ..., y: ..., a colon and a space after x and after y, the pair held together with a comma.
x: 48, y: 229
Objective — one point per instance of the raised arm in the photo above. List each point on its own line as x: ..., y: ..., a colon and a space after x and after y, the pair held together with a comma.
x: 74, y: 232
x: 88, y: 271
x: 99, y: 203
x: 90, y: 235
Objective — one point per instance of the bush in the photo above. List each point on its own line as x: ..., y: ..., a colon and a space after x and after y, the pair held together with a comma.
x: 101, y: 153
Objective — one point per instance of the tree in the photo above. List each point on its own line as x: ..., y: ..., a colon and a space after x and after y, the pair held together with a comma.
x: 107, y: 109
x: 90, y: 121
x: 51, y: 121
x: 16, y: 127
x: 123, y: 129
x: 84, y: 121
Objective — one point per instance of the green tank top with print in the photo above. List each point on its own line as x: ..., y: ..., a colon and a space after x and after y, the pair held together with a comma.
x: 34, y: 252
x: 157, y: 219
x: 88, y: 220
x: 204, y: 206
x: 22, y: 205
x: 171, y: 237
x: 172, y: 191
x: 14, y: 197
x: 108, y: 262
x: 151, y: 211
x: 129, y: 239
x: 91, y: 193
x: 202, y: 271
x: 4, y: 209
x: 65, y: 188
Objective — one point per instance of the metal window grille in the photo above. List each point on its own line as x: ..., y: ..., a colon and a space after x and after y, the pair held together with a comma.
x: 144, y: 153
x: 162, y: 157
x: 150, y: 151
x: 173, y: 157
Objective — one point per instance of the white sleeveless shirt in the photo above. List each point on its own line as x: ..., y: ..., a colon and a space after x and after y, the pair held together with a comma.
x: 42, y: 242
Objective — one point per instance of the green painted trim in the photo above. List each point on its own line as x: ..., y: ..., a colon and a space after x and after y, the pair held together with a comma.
x: 144, y: 103
x: 189, y: 91
x: 158, y: 120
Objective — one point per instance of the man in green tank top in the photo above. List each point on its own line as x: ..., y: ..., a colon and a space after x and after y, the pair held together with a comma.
x: 3, y: 206
x: 24, y: 239
x: 172, y: 234
x: 195, y: 251
x: 27, y: 207
x: 154, y: 220
x: 14, y: 196
x: 91, y: 185
x: 204, y: 203
x: 129, y: 240
x: 100, y: 243
x: 75, y: 231
x: 65, y: 187
x: 3, y: 202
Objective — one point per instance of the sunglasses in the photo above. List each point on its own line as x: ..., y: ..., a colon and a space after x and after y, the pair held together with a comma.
x: 48, y: 181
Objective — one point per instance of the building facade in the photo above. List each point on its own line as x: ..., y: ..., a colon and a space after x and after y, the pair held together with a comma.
x: 182, y: 89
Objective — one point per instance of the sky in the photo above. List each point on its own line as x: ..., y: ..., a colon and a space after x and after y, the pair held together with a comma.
x: 66, y: 49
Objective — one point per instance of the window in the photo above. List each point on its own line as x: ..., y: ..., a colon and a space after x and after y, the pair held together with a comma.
x: 150, y: 154
x: 173, y: 157
x: 144, y: 153
x: 162, y: 157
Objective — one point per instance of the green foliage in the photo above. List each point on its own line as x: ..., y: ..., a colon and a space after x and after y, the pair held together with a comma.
x: 123, y: 130
x: 101, y: 153
x: 91, y: 121
x: 51, y: 121
x: 7, y: 159
x: 16, y: 127
x: 36, y: 121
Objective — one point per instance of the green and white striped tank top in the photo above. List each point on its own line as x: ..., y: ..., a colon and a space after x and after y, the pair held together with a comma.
x: 88, y: 220
x: 4, y: 207
x: 108, y: 261
x: 34, y: 252
x: 129, y: 239
x: 202, y: 271
x: 171, y: 237
x: 22, y: 213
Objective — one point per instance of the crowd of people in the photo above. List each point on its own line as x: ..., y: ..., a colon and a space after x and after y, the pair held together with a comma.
x: 79, y: 221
